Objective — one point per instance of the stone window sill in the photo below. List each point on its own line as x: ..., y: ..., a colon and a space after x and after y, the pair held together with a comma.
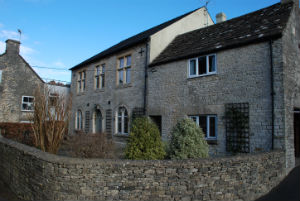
x: 124, y: 86
x: 212, y: 142
x: 121, y: 135
x: 99, y: 90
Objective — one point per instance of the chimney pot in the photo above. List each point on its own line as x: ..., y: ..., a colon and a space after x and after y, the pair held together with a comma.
x: 12, y: 46
x: 221, y: 17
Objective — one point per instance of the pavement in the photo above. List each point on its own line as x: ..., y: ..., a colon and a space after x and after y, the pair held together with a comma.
x: 287, y: 190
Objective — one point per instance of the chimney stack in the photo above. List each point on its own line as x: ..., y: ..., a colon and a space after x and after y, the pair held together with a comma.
x: 12, y: 46
x: 221, y: 17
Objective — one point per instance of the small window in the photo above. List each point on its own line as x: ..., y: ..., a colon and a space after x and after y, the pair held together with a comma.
x: 27, y: 103
x: 78, y: 120
x: 100, y: 76
x: 81, y: 81
x: 122, y: 121
x: 53, y: 99
x: 204, y: 65
x: 124, y: 70
x: 208, y: 124
x: 0, y: 76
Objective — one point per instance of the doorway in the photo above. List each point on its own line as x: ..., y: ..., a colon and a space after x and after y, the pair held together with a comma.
x: 297, y: 132
x: 97, y: 121
x: 157, y: 121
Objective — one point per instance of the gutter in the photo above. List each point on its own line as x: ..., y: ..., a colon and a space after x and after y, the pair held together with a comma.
x: 146, y: 78
x: 272, y: 90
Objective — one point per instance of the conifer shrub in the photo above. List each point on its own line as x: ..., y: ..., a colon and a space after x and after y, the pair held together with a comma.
x: 187, y: 141
x: 144, y: 141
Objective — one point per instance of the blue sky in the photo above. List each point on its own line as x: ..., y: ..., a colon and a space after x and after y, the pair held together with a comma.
x: 63, y: 33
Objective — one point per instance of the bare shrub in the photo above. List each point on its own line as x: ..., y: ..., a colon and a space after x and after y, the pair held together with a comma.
x: 50, y: 118
x: 82, y: 145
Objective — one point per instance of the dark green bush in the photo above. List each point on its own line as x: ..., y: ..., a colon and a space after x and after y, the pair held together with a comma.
x: 187, y: 141
x: 144, y: 141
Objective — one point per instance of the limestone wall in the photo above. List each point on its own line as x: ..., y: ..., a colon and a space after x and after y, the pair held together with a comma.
x: 35, y: 175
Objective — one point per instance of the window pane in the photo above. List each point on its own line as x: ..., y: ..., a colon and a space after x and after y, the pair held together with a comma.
x: 212, y: 126
x: 128, y: 60
x: 121, y: 77
x: 30, y: 99
x: 103, y: 68
x: 121, y: 65
x: 83, y: 85
x: 202, y: 65
x: 193, y: 67
x: 0, y: 75
x: 25, y: 99
x: 84, y: 74
x: 194, y: 119
x: 125, y: 124
x: 97, y: 82
x: 212, y: 63
x: 120, y: 124
x: 203, y: 124
x: 97, y: 70
x: 128, y: 76
x: 103, y: 80
x: 24, y: 106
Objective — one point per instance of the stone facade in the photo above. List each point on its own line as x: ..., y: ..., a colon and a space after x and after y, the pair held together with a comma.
x: 18, y: 79
x: 111, y: 97
x: 36, y: 175
x: 107, y: 100
x: 243, y: 76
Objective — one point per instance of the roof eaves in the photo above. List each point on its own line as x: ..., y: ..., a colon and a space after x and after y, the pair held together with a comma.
x: 215, y: 50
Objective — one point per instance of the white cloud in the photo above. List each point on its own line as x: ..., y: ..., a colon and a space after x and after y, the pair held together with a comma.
x: 59, y: 64
x: 24, y: 50
x: 1, y: 25
x: 7, y: 34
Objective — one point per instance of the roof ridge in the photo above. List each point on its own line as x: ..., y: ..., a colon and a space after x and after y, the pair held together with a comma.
x: 258, y: 25
x: 123, y: 43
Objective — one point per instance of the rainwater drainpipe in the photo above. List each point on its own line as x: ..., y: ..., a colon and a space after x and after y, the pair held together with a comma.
x: 272, y: 90
x: 146, y: 78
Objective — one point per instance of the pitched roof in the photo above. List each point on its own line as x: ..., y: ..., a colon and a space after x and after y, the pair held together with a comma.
x: 264, y: 24
x: 136, y: 39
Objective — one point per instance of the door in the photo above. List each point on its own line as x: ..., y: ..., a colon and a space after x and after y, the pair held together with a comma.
x: 98, y: 121
x: 157, y: 121
x: 297, y: 132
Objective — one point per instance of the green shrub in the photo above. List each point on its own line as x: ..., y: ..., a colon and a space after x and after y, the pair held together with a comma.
x: 144, y: 141
x: 187, y: 141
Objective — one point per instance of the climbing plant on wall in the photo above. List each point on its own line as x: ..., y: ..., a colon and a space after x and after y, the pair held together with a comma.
x: 237, y: 127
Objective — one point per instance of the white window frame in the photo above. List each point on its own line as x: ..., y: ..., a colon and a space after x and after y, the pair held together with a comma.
x: 24, y: 110
x: 79, y: 122
x: 122, y: 121
x: 207, y: 136
x: 124, y: 69
x: 197, y: 66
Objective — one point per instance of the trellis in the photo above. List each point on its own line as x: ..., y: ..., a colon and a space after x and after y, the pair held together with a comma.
x: 237, y: 127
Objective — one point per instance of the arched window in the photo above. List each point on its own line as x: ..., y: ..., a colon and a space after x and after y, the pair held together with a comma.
x: 79, y: 120
x: 122, y: 121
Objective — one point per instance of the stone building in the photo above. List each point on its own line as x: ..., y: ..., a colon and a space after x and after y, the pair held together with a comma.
x: 237, y: 79
x: 17, y: 83
x: 245, y: 69
x: 109, y: 88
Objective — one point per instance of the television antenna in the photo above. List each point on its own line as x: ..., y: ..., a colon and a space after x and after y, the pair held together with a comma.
x: 206, y: 13
x: 20, y: 33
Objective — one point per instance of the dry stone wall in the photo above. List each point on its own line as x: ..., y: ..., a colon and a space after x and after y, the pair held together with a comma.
x: 35, y: 175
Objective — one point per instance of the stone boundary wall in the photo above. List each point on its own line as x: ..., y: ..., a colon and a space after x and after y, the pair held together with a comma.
x: 36, y: 175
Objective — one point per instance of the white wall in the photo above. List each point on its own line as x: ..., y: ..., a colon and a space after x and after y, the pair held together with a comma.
x: 160, y: 40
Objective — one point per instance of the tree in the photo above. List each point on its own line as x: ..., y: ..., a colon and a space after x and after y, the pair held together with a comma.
x: 50, y: 118
x: 144, y: 141
x: 187, y: 141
